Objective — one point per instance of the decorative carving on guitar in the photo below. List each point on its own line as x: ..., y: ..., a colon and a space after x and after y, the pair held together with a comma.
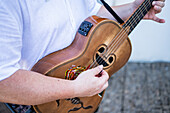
x: 77, y: 101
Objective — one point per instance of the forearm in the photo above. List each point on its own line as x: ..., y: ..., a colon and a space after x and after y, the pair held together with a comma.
x: 124, y: 11
x: 29, y: 88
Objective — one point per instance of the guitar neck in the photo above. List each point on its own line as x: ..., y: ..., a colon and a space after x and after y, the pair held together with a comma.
x: 137, y: 16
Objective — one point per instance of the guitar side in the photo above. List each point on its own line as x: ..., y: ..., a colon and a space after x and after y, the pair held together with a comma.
x: 83, y: 52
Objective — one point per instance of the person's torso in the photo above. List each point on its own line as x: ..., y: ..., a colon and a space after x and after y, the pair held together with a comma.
x: 50, y: 25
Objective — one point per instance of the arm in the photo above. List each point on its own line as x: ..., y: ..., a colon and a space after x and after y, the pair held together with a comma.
x: 124, y: 11
x: 26, y: 87
x: 30, y: 88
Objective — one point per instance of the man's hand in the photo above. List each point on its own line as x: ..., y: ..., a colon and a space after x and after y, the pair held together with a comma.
x: 157, y: 8
x: 88, y: 84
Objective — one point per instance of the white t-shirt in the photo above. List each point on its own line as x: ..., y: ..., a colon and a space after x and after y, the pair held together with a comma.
x: 31, y: 29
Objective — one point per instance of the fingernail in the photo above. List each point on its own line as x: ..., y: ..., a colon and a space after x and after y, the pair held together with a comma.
x: 100, y: 66
x: 153, y: 3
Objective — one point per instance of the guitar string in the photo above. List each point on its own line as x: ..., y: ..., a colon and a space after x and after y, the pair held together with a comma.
x: 136, y: 19
x: 115, y: 41
x: 133, y: 23
x: 132, y: 26
x: 126, y: 29
x: 120, y: 33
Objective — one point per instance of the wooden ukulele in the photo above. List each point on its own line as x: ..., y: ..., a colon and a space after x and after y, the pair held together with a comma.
x: 98, y: 41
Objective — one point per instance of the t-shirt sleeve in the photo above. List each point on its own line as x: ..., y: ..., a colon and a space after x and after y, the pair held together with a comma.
x: 10, y: 42
x: 94, y: 7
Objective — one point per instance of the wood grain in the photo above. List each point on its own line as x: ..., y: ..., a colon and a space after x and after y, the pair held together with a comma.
x: 81, y: 53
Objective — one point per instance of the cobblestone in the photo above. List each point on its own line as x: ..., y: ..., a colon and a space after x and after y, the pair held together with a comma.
x: 138, y: 88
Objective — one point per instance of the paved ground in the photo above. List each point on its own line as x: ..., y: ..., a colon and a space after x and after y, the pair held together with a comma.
x: 138, y: 88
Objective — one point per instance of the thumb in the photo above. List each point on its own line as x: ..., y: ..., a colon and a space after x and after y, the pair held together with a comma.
x: 97, y: 69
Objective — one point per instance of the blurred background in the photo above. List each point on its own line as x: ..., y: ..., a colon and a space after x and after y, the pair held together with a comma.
x: 143, y: 84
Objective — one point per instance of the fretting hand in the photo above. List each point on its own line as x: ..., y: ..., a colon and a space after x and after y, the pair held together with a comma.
x: 157, y: 8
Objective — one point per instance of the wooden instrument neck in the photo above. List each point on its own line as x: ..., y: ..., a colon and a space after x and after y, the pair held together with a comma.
x: 137, y: 16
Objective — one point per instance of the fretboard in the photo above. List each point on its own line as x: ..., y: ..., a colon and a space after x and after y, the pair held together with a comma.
x: 137, y: 16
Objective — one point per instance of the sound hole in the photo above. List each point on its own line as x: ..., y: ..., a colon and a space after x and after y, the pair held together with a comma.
x: 110, y: 59
x: 100, y: 61
x: 102, y: 56
x: 101, y: 50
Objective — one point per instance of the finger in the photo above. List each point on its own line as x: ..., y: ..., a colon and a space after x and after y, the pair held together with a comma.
x: 158, y: 19
x: 105, y: 74
x: 157, y: 9
x: 96, y: 70
x: 104, y: 87
x: 162, y: 0
x: 158, y: 3
x: 103, y: 79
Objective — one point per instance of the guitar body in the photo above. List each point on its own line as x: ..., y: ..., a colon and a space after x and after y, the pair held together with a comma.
x: 82, y: 52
